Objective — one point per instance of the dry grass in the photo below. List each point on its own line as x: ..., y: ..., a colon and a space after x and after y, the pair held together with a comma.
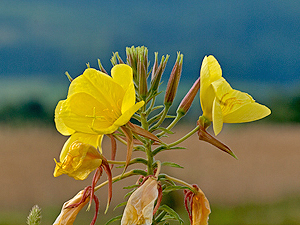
x: 267, y: 170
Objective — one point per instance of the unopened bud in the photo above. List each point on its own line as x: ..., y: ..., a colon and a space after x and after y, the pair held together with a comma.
x: 142, y: 75
x: 157, y: 72
x: 174, y: 80
x: 187, y: 101
x: 137, y: 59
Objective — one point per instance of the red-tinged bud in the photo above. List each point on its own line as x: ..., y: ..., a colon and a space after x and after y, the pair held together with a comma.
x: 155, y: 65
x: 174, y: 80
x: 205, y: 136
x: 187, y: 101
x: 142, y: 74
x: 157, y: 73
x: 137, y: 59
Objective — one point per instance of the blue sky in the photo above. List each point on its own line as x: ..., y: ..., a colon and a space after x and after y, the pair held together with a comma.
x: 254, y: 41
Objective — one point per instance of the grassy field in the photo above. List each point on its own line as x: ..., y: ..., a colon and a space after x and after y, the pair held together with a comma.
x: 262, y: 187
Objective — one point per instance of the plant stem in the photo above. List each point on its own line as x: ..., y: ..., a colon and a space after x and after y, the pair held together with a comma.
x: 119, y: 177
x: 174, y: 122
x: 184, y: 137
x: 176, y: 180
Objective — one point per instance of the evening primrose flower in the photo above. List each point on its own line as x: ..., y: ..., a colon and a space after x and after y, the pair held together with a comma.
x: 139, y: 208
x: 96, y: 104
x: 68, y: 213
x: 80, y: 161
x: 222, y: 104
x: 197, y: 206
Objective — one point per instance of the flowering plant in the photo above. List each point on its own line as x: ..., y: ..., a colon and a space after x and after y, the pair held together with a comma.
x: 123, y: 107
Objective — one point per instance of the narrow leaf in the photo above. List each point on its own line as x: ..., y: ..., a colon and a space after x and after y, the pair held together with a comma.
x: 171, y: 164
x: 171, y: 212
x: 114, y: 219
x: 140, y: 131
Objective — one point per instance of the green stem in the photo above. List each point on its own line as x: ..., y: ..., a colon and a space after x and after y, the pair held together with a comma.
x: 162, y: 118
x: 119, y: 177
x: 174, y: 122
x: 133, y: 161
x: 176, y: 180
x: 184, y: 137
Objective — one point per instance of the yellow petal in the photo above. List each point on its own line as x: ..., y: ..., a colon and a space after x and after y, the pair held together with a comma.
x: 122, y: 74
x: 59, y: 123
x: 85, y: 114
x: 217, y: 117
x: 128, y: 114
x: 99, y: 85
x: 210, y: 72
x: 81, y: 159
x: 129, y: 99
x: 91, y: 139
x: 247, y: 113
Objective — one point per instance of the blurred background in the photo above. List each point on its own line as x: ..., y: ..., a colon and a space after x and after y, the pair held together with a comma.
x: 257, y: 44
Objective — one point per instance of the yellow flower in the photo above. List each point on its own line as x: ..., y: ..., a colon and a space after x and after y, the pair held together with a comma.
x: 197, y: 206
x: 139, y: 208
x: 68, y: 214
x: 200, y: 209
x: 96, y: 104
x: 79, y: 162
x: 222, y: 104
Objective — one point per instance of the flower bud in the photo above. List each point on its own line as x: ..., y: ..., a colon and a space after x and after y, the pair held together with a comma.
x: 174, y: 80
x: 142, y: 67
x: 137, y: 59
x: 79, y: 162
x: 187, y: 101
x: 157, y: 72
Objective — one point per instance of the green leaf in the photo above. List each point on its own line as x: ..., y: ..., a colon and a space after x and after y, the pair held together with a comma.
x: 165, y: 130
x: 120, y: 205
x: 171, y: 213
x: 171, y: 164
x: 163, y: 148
x: 129, y: 193
x: 132, y: 186
x: 114, y: 219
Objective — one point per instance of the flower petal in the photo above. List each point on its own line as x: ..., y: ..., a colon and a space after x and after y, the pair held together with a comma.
x: 99, y: 85
x: 247, y: 113
x: 122, y: 75
x: 86, y: 114
x: 139, y: 208
x: 80, y: 161
x: 94, y: 140
x: 217, y: 117
x: 129, y: 99
x: 122, y: 120
x: 210, y: 72
x: 59, y: 123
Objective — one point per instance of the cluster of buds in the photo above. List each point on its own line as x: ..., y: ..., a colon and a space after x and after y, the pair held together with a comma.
x: 99, y: 104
